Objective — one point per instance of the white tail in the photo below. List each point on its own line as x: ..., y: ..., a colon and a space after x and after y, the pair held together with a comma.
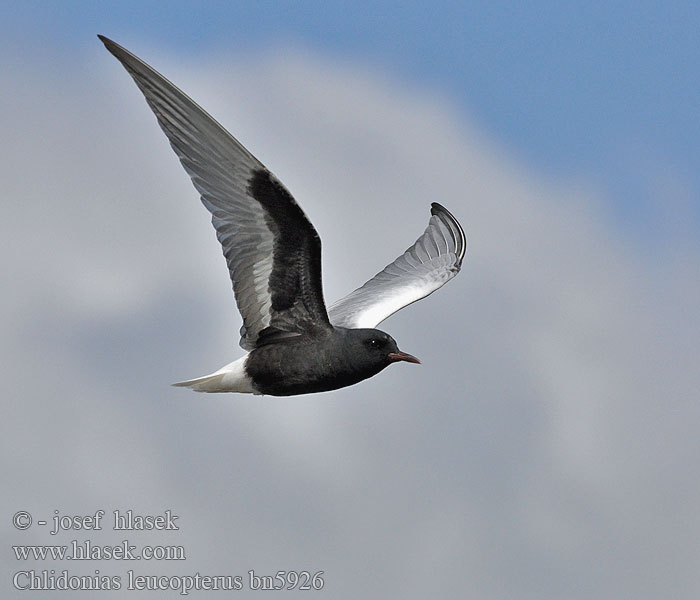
x: 231, y: 378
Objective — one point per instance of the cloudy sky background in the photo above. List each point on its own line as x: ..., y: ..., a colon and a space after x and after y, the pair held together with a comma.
x: 548, y: 446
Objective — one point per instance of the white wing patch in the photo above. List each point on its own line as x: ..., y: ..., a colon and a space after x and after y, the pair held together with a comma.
x: 387, y: 305
x: 432, y: 261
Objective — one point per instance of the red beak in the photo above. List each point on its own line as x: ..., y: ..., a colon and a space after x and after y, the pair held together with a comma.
x: 396, y: 356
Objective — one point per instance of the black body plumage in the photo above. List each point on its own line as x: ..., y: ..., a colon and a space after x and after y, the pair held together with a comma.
x: 305, y: 364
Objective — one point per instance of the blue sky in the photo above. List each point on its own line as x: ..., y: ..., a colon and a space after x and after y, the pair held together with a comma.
x: 607, y: 92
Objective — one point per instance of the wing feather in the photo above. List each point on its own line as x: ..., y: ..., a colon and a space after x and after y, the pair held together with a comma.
x: 434, y: 259
x: 272, y: 251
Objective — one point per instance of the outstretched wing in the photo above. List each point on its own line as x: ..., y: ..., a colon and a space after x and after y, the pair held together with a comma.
x: 432, y: 261
x: 272, y: 250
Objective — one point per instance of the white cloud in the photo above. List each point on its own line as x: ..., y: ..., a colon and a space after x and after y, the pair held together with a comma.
x: 547, y: 446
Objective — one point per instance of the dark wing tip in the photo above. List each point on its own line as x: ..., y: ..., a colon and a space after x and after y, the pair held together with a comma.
x: 113, y: 47
x: 460, y: 238
x: 118, y: 51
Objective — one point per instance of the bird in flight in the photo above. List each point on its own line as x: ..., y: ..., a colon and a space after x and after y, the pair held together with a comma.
x: 273, y: 254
